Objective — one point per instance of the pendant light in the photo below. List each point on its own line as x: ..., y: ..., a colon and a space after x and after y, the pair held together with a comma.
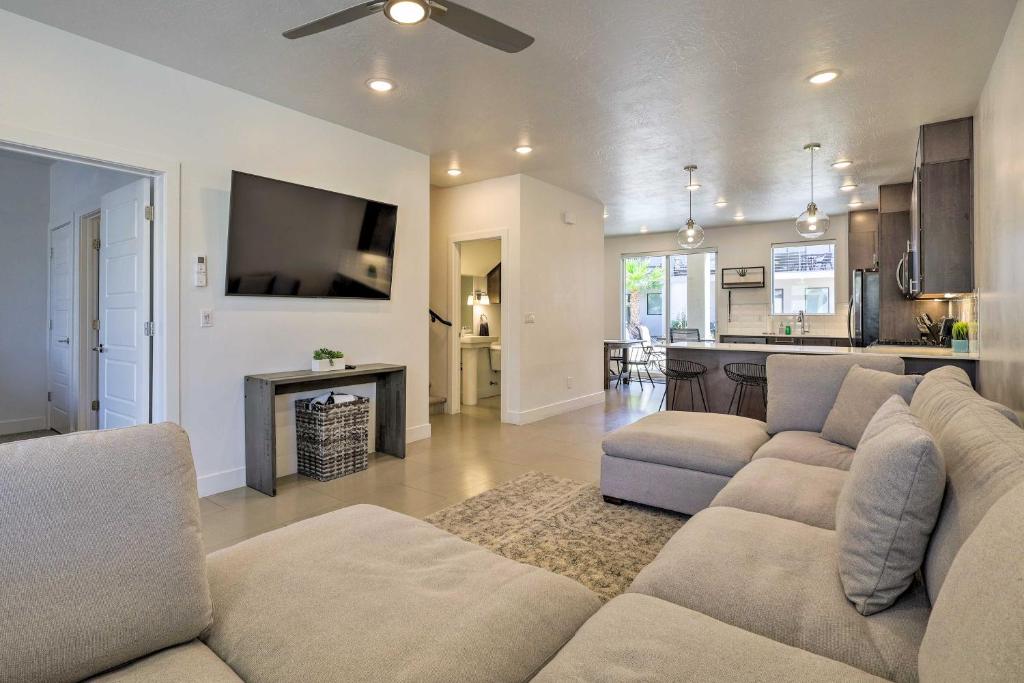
x: 691, y: 235
x: 812, y: 223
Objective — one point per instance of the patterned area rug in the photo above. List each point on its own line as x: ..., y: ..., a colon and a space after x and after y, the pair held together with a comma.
x: 563, y: 526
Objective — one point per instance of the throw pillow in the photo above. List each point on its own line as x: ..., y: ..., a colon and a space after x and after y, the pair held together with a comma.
x: 863, y: 392
x: 888, y: 507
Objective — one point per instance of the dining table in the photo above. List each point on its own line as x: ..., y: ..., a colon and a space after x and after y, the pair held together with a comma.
x: 609, y: 346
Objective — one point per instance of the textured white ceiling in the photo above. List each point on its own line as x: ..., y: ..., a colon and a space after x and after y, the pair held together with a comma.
x: 615, y: 96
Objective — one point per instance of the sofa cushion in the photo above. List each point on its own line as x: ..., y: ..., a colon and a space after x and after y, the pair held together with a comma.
x: 364, y: 593
x: 669, y: 488
x: 950, y: 376
x: 808, y: 448
x: 189, y: 663
x: 782, y: 488
x: 863, y: 392
x: 984, y: 457
x: 100, y: 551
x: 639, y: 638
x: 976, y: 631
x: 706, y: 442
x: 802, y: 389
x: 780, y: 579
x: 887, y: 510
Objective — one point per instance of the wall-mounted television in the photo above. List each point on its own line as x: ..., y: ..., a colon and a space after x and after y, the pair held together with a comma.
x: 291, y: 240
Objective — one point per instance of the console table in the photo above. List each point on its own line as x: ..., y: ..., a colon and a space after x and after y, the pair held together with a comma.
x: 261, y: 431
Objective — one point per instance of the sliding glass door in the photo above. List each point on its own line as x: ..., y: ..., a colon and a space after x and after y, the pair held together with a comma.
x: 672, y: 294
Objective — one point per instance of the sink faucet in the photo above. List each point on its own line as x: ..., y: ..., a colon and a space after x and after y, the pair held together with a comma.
x: 801, y: 318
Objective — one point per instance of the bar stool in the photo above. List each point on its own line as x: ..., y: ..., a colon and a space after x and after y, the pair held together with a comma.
x: 688, y: 371
x: 746, y: 376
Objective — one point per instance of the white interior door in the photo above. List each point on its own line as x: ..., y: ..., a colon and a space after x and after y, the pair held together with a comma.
x: 124, y: 305
x: 61, y: 405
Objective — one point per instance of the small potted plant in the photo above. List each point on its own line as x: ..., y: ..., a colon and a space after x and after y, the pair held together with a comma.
x: 961, y: 334
x: 324, y: 359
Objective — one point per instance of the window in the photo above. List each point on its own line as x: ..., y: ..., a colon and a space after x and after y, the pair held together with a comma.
x: 804, y: 278
x: 669, y: 293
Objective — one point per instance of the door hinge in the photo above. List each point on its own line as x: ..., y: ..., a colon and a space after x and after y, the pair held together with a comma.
x: 149, y: 213
x: 49, y: 396
x: 149, y: 328
x: 51, y: 253
x: 96, y: 244
x: 95, y: 324
x: 51, y: 324
x: 95, y: 405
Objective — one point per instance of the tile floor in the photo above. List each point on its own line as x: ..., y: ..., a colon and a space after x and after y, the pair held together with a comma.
x: 467, y: 454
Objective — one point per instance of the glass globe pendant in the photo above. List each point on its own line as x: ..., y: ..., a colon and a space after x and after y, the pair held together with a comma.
x: 691, y: 235
x: 812, y: 223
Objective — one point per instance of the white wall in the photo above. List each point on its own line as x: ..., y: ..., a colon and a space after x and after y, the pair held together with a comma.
x: 552, y: 271
x: 560, y: 282
x: 24, y: 215
x: 81, y: 91
x: 739, y: 245
x: 999, y: 220
x: 78, y: 188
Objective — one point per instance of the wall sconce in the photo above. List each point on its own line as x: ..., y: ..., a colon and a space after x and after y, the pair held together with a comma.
x: 478, y: 298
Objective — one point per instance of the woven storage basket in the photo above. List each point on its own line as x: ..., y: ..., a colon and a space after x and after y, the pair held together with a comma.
x: 331, y: 438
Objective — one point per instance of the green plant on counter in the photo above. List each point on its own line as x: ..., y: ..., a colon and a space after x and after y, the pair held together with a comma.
x: 327, y: 354
x: 961, y: 331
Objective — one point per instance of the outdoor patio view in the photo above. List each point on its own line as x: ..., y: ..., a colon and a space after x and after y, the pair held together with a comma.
x: 671, y: 295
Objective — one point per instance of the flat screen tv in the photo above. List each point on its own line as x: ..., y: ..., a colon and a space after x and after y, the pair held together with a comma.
x: 291, y: 240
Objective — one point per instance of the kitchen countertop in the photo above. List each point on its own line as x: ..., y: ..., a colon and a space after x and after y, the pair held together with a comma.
x: 901, y: 351
x: 812, y: 335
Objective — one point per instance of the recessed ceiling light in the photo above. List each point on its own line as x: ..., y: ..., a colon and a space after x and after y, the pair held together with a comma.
x: 721, y: 202
x: 842, y: 163
x: 855, y: 203
x: 454, y: 172
x: 848, y: 187
x: 524, y: 149
x: 693, y: 187
x: 739, y: 217
x: 406, y: 11
x: 380, y: 85
x: 823, y: 77
x: 643, y: 228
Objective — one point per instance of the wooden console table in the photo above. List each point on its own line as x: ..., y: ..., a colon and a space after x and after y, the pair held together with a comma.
x: 261, y: 431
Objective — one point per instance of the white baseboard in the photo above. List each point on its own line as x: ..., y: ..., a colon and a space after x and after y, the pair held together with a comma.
x: 210, y: 484
x: 552, y: 409
x: 25, y: 424
x: 417, y: 433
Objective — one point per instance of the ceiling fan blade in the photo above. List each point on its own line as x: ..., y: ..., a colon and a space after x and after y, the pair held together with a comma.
x: 345, y: 16
x: 479, y: 27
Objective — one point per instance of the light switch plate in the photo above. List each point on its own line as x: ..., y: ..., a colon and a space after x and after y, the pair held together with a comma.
x: 206, y: 318
x: 530, y: 319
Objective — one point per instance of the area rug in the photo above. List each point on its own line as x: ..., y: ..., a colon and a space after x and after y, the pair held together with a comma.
x: 563, y: 526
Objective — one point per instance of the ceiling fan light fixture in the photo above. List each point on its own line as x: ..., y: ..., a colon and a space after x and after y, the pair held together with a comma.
x: 407, y: 12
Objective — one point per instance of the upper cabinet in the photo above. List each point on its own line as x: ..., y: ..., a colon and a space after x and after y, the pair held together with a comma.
x: 942, y: 216
x: 494, y: 284
x: 863, y: 239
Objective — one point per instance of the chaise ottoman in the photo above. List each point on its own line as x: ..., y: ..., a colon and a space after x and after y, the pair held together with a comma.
x: 677, y: 460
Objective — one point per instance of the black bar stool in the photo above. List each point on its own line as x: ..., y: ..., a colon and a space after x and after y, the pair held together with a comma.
x: 746, y: 376
x: 688, y: 371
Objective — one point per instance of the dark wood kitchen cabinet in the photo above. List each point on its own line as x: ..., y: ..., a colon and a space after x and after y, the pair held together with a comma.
x: 942, y: 218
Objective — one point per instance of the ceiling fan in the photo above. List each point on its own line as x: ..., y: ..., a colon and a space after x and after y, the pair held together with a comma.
x: 469, y: 23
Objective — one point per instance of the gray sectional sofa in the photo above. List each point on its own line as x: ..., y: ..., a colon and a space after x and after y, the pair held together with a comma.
x: 103, y: 573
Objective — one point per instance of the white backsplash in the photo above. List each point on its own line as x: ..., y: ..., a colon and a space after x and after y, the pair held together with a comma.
x: 754, y: 318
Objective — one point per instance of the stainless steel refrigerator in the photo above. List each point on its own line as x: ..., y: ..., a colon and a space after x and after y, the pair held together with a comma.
x: 865, y: 302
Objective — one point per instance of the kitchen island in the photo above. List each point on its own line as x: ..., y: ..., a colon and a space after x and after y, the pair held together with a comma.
x: 715, y: 355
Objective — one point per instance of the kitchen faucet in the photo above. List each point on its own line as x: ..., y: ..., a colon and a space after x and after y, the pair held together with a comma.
x: 802, y: 319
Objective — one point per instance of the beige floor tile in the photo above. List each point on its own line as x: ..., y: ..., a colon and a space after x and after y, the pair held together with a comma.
x: 467, y: 454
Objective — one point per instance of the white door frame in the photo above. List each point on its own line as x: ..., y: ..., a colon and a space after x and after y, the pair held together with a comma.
x: 52, y: 226
x: 166, y: 175
x: 86, y: 295
x: 509, y: 320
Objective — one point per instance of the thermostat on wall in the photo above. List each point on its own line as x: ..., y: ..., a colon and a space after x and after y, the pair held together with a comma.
x: 199, y: 277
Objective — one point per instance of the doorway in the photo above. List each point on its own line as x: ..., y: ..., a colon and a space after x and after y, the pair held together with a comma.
x: 78, y: 311
x: 476, y: 381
